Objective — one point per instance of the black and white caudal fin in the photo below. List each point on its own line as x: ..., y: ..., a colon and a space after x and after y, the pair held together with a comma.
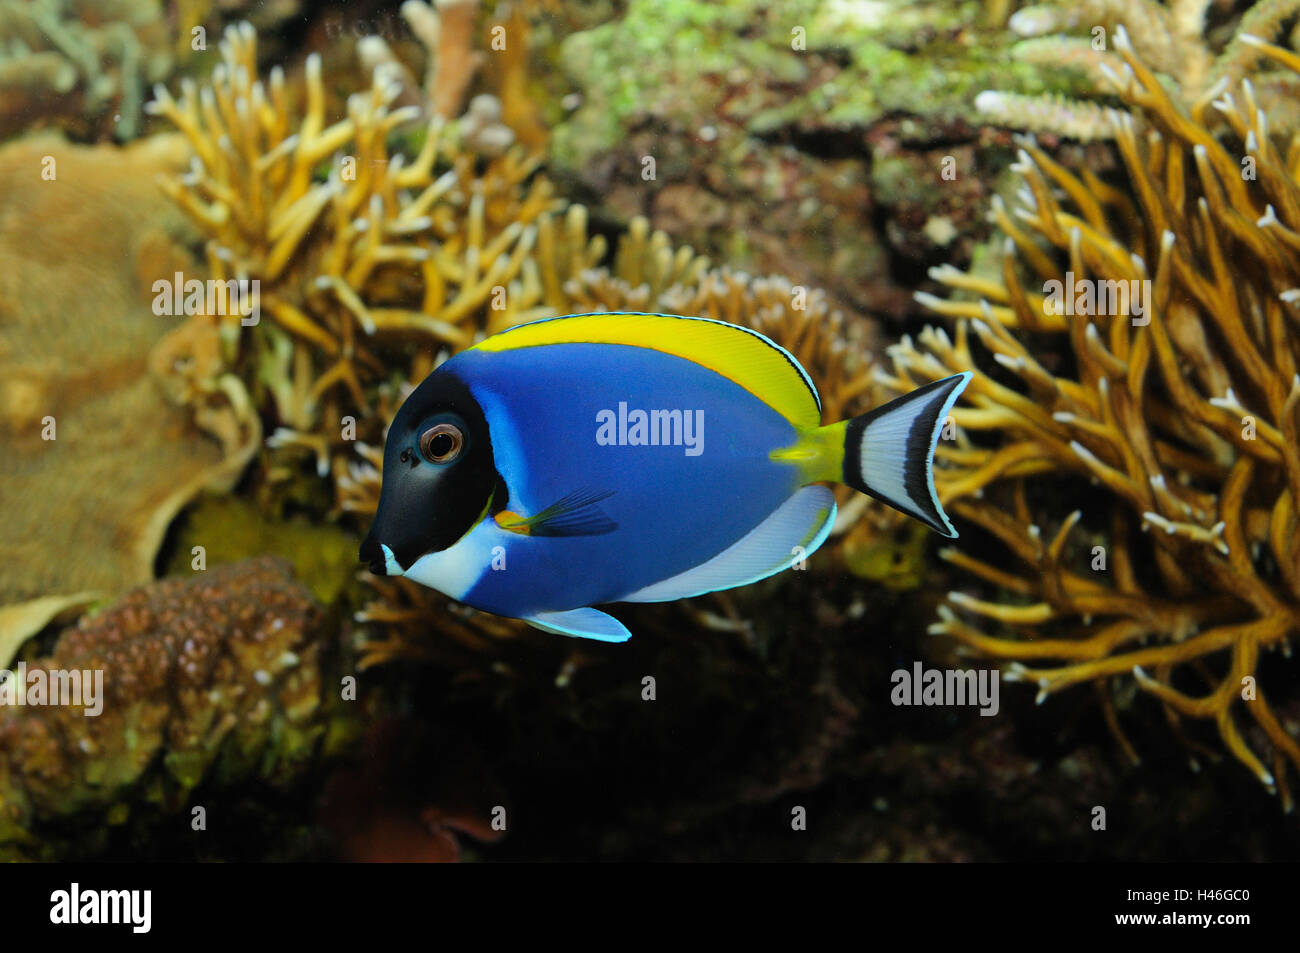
x: 889, y: 451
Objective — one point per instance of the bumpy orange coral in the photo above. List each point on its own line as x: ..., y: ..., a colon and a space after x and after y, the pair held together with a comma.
x: 1181, y: 409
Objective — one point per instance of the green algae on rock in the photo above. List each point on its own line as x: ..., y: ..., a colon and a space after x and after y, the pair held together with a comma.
x: 766, y: 121
x: 765, y: 66
x: 231, y: 528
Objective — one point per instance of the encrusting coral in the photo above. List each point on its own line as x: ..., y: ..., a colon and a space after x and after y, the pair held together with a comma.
x: 88, y: 438
x: 1173, y: 39
x: 1180, y: 407
x: 204, y: 681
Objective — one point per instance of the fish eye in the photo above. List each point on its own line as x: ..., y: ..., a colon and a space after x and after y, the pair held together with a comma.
x: 441, y: 443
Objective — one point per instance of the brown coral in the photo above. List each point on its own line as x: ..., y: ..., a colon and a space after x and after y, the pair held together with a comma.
x: 1184, y: 418
x: 76, y: 330
x: 204, y: 680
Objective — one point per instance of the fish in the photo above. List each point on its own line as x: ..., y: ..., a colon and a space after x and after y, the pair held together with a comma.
x: 591, y: 459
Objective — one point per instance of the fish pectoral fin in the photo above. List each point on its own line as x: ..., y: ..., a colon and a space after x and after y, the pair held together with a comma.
x: 577, y: 514
x: 585, y: 623
x: 513, y: 522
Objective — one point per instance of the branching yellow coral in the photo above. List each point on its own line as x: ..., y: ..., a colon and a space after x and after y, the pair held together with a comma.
x: 1182, y: 412
x: 355, y: 247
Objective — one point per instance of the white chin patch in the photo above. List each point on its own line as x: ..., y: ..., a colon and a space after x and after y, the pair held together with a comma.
x: 390, y: 562
x: 455, y: 571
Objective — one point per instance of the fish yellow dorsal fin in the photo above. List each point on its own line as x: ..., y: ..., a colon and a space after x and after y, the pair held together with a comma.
x: 763, y: 368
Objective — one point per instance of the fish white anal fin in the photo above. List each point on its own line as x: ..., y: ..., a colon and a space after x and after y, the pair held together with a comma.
x: 791, y: 533
x: 582, y: 624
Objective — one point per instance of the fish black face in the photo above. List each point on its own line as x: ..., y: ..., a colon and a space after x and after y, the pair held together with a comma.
x: 439, y: 475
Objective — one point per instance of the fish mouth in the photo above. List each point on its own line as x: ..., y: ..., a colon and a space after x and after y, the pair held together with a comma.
x: 379, y: 558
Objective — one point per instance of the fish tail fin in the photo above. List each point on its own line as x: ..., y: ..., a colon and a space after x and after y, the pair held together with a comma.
x: 889, y: 451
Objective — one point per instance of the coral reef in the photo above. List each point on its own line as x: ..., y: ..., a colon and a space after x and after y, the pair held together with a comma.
x: 88, y: 438
x: 1182, y: 566
x: 446, y: 33
x: 205, y: 683
x: 1175, y: 40
x: 415, y: 257
x: 422, y: 264
x: 392, y: 194
x: 763, y: 67
x: 84, y: 66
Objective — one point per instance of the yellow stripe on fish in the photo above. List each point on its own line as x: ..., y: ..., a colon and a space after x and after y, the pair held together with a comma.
x: 763, y: 368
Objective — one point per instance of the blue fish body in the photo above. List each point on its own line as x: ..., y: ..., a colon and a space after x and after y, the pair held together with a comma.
x: 606, y: 458
x: 672, y: 511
